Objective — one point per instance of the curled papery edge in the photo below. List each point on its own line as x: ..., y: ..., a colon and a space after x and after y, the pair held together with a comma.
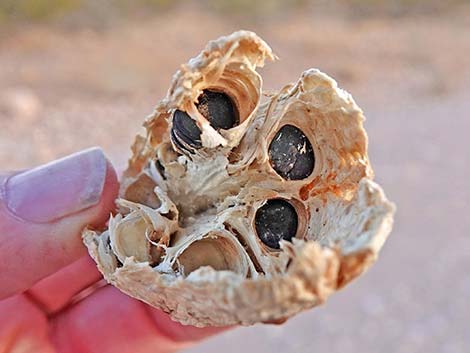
x: 234, y: 56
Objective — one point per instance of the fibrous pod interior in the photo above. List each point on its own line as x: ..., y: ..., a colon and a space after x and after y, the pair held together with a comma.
x: 237, y: 209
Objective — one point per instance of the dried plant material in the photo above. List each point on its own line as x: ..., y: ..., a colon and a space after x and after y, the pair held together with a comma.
x: 238, y: 210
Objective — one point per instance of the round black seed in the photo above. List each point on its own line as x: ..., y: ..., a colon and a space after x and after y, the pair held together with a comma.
x: 185, y: 128
x: 218, y: 108
x: 291, y: 154
x: 276, y: 220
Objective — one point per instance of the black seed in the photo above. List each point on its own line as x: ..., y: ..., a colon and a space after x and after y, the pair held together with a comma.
x: 175, y: 139
x: 218, y: 108
x: 185, y: 128
x: 291, y: 154
x: 274, y: 221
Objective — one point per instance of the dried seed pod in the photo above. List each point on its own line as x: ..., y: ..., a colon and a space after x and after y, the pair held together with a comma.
x: 236, y: 211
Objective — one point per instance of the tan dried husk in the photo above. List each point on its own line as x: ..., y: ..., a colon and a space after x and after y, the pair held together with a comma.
x: 184, y: 239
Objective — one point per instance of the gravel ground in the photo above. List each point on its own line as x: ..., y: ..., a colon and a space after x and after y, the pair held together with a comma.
x: 62, y: 90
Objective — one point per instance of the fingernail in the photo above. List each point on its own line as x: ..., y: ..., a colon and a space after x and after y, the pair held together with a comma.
x: 57, y: 189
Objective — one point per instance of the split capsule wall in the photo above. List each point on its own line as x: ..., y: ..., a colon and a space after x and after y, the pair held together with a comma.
x: 231, y: 193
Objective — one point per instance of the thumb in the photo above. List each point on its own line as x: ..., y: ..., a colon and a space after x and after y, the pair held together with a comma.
x: 43, y: 211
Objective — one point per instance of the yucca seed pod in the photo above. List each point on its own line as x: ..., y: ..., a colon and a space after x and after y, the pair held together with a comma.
x: 252, y: 210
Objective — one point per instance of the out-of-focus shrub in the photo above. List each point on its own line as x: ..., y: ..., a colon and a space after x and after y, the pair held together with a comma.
x: 44, y: 10
x: 102, y: 11
x: 35, y: 9
x: 254, y: 7
x: 398, y: 7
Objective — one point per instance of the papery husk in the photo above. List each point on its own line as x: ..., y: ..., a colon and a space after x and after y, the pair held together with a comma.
x: 184, y: 239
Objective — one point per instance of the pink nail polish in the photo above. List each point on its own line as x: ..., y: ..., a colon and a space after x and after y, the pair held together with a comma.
x: 57, y: 189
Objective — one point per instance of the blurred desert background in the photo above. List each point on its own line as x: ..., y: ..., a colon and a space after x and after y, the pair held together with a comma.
x: 79, y: 73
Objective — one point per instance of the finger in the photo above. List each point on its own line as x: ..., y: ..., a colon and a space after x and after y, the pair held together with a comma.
x: 181, y: 333
x: 23, y: 327
x: 43, y: 211
x: 109, y: 321
x: 54, y: 292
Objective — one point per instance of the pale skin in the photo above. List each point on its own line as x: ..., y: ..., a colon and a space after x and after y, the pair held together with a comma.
x: 46, y: 304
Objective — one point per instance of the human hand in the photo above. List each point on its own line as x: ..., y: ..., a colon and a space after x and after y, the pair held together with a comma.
x: 44, y: 268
